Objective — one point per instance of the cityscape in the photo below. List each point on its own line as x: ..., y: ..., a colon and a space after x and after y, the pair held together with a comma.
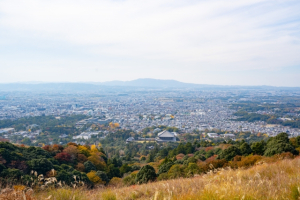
x: 188, y: 110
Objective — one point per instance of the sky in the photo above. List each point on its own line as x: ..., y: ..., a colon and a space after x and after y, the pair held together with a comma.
x: 228, y: 42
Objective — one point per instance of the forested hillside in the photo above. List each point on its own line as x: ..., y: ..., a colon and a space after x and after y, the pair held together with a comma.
x: 90, y: 166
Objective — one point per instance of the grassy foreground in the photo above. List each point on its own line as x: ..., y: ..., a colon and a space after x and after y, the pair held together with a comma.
x: 280, y: 180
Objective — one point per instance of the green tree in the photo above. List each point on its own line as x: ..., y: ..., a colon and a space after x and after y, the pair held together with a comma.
x: 258, y: 148
x: 176, y: 171
x: 230, y: 153
x: 89, y: 166
x: 279, y: 144
x: 146, y: 174
x: 164, y: 167
x: 103, y: 176
x: 41, y: 166
x: 192, y: 169
x: 245, y: 149
x: 125, y: 169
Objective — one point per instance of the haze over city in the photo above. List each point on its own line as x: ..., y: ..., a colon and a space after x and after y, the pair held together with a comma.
x: 250, y: 42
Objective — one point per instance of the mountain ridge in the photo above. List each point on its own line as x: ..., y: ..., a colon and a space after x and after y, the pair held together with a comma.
x: 146, y: 83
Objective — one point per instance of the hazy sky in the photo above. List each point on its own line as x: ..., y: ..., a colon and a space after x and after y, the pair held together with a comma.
x: 229, y: 42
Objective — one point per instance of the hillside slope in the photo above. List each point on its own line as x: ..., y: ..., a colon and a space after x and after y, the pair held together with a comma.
x: 279, y: 180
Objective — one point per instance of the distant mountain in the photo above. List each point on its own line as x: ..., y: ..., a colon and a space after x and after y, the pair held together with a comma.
x: 120, y: 86
x: 148, y: 82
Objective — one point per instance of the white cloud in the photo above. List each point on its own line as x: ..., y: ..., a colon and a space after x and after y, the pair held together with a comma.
x: 184, y: 35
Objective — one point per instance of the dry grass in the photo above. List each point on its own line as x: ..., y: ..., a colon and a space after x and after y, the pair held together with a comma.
x: 280, y: 180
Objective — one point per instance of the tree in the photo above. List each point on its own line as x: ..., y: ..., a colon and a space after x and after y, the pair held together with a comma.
x: 94, y: 178
x: 81, y: 158
x: 125, y: 168
x: 146, y: 174
x: 229, y: 153
x: 72, y: 151
x: 245, y: 149
x: 41, y: 166
x: 113, y: 171
x: 80, y: 167
x: 64, y: 177
x: 11, y: 173
x: 84, y: 150
x: 150, y: 158
x: 175, y: 171
x: 258, y: 148
x: 63, y: 157
x: 97, y: 160
x: 278, y: 145
x: 89, y: 166
x: 165, y: 167
x: 103, y: 176
x: 192, y: 169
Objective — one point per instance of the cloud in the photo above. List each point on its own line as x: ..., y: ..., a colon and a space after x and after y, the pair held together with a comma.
x: 186, y: 36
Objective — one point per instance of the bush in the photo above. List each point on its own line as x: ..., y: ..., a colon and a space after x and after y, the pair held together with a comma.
x: 116, y: 182
x: 130, y: 179
x: 163, y: 176
x: 249, y: 161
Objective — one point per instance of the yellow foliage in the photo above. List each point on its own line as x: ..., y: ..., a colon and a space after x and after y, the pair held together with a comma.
x: 97, y: 160
x: 94, y: 178
x: 84, y: 150
x: 94, y: 148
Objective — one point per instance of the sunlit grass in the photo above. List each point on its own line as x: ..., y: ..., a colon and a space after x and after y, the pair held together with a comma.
x: 280, y: 180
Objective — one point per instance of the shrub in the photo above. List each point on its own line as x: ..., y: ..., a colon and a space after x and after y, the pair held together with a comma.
x: 130, y: 179
x: 249, y: 161
x: 116, y: 182
x: 163, y: 176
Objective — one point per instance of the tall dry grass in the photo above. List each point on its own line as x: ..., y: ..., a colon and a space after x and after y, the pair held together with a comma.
x: 280, y: 180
